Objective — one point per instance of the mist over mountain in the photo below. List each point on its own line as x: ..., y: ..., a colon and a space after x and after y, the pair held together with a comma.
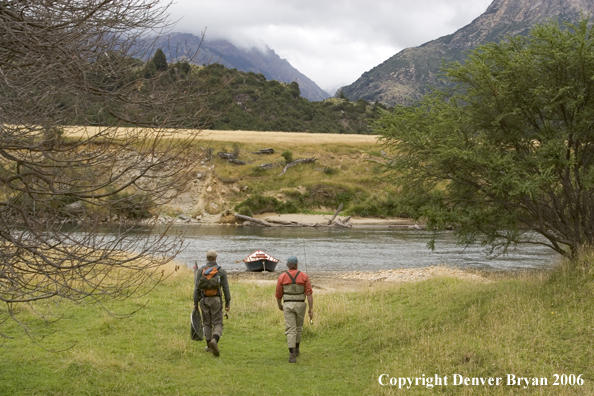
x: 409, y: 74
x: 179, y: 45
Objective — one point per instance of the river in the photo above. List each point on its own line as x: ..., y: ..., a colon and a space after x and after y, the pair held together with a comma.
x: 358, y: 249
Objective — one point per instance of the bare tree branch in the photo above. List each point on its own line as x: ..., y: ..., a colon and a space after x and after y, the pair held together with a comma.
x: 68, y: 62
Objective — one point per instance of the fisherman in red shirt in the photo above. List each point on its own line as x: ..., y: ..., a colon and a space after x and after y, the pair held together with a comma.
x: 292, y: 289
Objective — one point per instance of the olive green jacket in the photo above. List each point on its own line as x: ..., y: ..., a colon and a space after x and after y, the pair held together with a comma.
x: 224, y: 284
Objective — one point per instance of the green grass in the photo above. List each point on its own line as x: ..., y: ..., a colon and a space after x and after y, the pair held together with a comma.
x: 528, y: 326
x: 344, y: 168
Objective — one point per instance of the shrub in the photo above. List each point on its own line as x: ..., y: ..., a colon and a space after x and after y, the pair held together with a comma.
x: 328, y: 170
x: 132, y: 206
x: 378, y: 207
x: 288, y: 156
x: 258, y: 203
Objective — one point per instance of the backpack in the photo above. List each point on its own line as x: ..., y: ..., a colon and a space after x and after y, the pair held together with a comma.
x: 210, y: 280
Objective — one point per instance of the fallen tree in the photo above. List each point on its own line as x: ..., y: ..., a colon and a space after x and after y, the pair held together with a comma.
x: 334, y: 222
x: 264, y: 151
x: 297, y: 162
x: 252, y: 220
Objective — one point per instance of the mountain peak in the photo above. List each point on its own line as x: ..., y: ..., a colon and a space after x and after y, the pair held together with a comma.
x: 409, y: 74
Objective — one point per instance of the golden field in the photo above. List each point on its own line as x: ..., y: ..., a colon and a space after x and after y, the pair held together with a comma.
x: 270, y: 137
x: 285, y: 137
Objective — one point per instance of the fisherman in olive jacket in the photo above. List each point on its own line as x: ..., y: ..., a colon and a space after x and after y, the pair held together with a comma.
x: 292, y: 289
x: 210, y: 279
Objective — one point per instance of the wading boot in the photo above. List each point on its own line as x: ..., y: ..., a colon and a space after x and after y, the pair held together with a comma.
x: 207, y: 349
x: 292, y: 356
x: 296, y: 350
x: 214, y: 346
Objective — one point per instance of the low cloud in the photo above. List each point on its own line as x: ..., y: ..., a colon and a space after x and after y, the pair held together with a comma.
x: 331, y: 42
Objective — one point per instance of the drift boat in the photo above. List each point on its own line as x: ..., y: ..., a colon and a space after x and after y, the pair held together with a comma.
x: 260, y: 261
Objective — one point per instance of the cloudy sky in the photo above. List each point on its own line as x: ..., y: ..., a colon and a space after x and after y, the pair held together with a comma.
x: 331, y: 42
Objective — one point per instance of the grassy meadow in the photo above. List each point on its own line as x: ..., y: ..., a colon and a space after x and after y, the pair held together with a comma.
x: 346, y: 171
x: 530, y: 326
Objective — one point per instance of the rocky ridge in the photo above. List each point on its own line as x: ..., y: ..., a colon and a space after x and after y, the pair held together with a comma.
x: 409, y: 74
x: 179, y: 45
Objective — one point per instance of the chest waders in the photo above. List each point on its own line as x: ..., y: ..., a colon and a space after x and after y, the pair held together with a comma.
x: 293, y: 292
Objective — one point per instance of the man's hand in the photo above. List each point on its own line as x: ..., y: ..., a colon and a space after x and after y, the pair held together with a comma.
x: 280, y: 307
x: 310, y: 313
x: 227, y: 308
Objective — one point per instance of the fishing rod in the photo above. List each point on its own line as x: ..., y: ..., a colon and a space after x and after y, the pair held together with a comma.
x: 304, y: 255
x: 305, y: 261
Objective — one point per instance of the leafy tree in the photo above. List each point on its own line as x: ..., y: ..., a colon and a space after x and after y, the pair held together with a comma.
x: 509, y: 150
x: 294, y: 89
x: 68, y: 59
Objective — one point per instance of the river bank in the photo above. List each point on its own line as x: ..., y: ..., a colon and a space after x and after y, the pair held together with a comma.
x: 361, y: 222
x: 260, y: 181
x: 350, y: 281
x: 227, y: 219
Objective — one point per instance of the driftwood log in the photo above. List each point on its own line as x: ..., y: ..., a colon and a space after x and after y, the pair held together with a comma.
x: 335, y: 214
x: 341, y: 223
x: 267, y: 166
x: 228, y: 156
x: 264, y: 151
x: 252, y: 220
x: 297, y: 162
x: 274, y: 222
x: 236, y: 161
x: 291, y: 223
x: 334, y: 222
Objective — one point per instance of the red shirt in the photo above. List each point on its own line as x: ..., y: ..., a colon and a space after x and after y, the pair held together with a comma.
x: 284, y: 279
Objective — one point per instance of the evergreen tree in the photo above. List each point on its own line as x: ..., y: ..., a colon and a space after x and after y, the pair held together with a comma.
x: 160, y: 60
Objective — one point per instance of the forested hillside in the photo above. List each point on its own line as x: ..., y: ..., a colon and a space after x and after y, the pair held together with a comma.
x: 231, y: 100
x: 250, y: 102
